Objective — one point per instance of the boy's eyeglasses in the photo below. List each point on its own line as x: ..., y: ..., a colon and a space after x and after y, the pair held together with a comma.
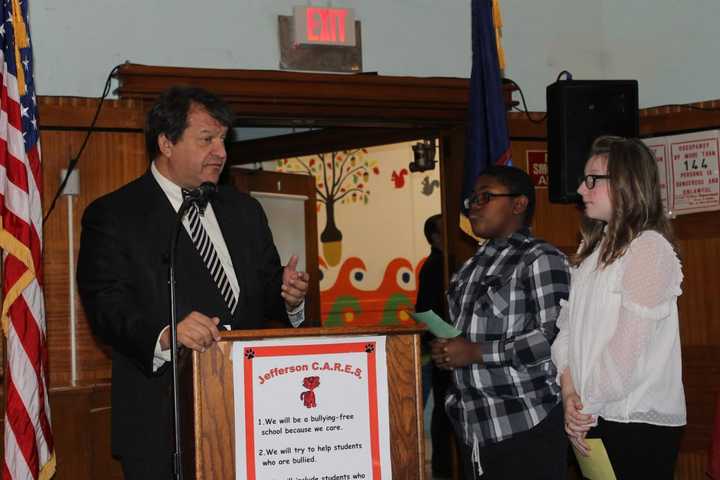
x: 477, y: 199
x: 591, y: 179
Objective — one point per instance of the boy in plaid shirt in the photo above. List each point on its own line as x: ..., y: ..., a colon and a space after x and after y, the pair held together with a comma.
x: 505, y: 400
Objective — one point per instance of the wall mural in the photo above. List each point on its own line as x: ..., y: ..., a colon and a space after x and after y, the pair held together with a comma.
x: 345, y: 303
x: 371, y: 248
x: 339, y: 177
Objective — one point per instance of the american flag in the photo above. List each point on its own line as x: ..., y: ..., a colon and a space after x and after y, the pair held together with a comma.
x: 29, y: 450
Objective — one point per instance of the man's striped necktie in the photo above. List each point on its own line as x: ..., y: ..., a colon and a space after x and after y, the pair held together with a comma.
x: 210, y: 258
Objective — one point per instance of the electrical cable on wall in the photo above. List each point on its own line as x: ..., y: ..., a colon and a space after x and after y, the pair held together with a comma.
x: 568, y: 76
x: 73, y: 161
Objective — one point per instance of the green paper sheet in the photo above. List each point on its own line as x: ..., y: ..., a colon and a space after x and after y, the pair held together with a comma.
x: 437, y: 326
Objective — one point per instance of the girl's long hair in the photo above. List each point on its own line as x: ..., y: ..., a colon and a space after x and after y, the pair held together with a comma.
x: 634, y: 189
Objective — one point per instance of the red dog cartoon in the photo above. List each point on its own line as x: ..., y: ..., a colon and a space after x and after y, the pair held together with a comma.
x: 308, y: 398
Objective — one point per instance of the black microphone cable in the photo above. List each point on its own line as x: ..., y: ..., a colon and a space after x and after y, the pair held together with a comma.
x: 74, y: 161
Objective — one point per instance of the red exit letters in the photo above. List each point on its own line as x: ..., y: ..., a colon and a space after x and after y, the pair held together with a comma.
x: 324, y: 26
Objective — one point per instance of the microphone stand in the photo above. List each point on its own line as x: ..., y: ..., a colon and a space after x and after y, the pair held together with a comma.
x: 199, y: 195
x: 177, y: 454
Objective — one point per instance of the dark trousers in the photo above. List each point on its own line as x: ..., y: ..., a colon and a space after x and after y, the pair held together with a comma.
x: 140, y: 468
x: 639, y: 450
x: 440, y: 427
x: 538, y: 454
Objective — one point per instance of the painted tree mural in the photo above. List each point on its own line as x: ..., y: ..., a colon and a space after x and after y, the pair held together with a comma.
x: 339, y: 177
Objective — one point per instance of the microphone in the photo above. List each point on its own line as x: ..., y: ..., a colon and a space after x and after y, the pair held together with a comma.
x: 208, y: 189
x: 199, y: 196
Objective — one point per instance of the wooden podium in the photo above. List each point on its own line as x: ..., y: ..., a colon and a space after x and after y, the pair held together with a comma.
x: 208, y: 400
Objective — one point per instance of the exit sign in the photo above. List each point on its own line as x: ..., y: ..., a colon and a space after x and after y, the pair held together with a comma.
x: 324, y: 26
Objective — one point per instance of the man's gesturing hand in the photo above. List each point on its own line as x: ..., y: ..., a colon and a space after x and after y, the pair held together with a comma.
x: 295, y: 284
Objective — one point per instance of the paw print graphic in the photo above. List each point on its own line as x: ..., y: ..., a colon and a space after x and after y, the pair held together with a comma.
x: 249, y: 353
x: 369, y: 348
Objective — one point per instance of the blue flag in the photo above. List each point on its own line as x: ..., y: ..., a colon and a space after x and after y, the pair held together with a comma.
x: 487, y: 135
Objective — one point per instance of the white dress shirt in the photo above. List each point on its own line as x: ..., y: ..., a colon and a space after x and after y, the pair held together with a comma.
x: 619, y: 335
x: 210, y: 223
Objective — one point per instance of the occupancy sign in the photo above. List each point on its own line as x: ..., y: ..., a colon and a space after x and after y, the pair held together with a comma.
x: 691, y: 171
x: 695, y: 172
x: 311, y: 409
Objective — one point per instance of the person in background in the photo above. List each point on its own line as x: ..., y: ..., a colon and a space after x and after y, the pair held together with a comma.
x: 431, y: 296
x: 505, y: 401
x: 618, y: 350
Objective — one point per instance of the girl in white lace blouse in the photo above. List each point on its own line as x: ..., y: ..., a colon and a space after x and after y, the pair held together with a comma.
x: 618, y: 350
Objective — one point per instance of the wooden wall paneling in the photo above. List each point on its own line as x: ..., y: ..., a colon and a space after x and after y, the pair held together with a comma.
x: 73, y: 440
x: 699, y: 305
x: 701, y: 378
x: 110, y: 160
x: 672, y: 119
x: 81, y: 427
x: 113, y: 156
x: 521, y: 129
x: 692, y: 466
x: 67, y: 113
x: 697, y: 225
x: 102, y: 464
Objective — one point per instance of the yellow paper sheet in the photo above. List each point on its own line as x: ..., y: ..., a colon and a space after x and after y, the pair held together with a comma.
x: 596, y: 466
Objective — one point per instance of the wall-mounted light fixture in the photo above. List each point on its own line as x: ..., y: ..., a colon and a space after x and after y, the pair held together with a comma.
x: 423, y: 156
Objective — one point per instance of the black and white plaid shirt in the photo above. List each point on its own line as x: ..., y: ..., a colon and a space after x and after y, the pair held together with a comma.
x: 507, y: 298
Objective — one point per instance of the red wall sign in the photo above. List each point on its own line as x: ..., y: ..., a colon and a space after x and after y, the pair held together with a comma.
x: 537, y: 167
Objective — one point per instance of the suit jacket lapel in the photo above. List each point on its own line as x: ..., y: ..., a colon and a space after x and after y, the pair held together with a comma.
x: 158, y: 220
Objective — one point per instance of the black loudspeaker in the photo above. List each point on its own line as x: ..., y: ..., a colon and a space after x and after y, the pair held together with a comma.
x: 579, y: 111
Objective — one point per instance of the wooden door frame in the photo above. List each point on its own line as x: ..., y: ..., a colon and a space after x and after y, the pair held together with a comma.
x: 247, y: 180
x: 360, y: 110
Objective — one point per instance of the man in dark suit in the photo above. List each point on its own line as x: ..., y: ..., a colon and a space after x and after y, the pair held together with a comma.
x: 123, y: 267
